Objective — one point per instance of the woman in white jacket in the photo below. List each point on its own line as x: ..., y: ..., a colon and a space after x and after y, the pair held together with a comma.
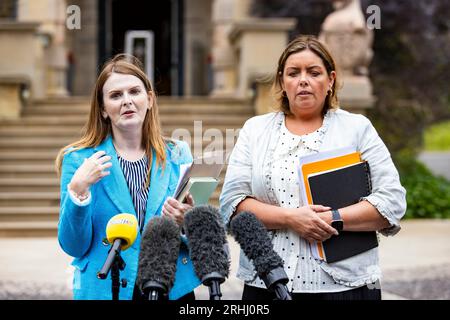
x: 262, y: 178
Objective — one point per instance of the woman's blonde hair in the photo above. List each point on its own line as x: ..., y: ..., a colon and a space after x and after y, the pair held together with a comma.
x: 98, y: 128
x: 305, y: 42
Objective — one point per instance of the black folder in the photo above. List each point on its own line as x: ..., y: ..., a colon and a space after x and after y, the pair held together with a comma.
x: 337, y: 189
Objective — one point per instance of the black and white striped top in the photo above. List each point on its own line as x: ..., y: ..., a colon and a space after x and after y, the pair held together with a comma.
x: 135, y: 173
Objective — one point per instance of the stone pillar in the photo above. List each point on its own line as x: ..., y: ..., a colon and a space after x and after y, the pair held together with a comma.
x: 21, y: 56
x: 345, y: 33
x: 256, y: 59
x: 52, y: 15
x: 12, y: 96
x: 223, y: 56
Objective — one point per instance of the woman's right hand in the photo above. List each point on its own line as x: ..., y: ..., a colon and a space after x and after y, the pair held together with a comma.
x: 307, y: 223
x: 90, y: 172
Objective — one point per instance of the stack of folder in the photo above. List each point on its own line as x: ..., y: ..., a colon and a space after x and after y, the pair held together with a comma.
x: 199, y: 178
x: 337, y: 179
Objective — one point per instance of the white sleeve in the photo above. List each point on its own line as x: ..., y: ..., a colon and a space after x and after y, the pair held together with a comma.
x: 77, y: 201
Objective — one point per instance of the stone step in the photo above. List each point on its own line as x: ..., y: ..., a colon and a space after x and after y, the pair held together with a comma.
x: 29, y: 184
x: 40, y: 131
x: 162, y: 100
x: 58, y: 101
x: 29, y: 229
x: 181, y: 120
x: 27, y: 170
x: 29, y: 214
x: 57, y: 110
x: 33, y: 143
x: 54, y: 144
x: 24, y: 155
x: 46, y: 121
x: 74, y: 132
x: 29, y: 199
x: 164, y: 108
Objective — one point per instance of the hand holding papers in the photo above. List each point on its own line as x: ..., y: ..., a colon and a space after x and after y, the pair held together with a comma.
x: 337, y: 179
x: 199, y: 178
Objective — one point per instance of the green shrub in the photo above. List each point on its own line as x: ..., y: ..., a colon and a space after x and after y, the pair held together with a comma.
x: 427, y: 196
x: 437, y: 137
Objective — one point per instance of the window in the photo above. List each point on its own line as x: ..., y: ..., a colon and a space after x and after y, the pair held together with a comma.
x: 8, y: 9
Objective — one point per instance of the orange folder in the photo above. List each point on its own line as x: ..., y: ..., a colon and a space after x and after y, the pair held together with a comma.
x: 321, y: 166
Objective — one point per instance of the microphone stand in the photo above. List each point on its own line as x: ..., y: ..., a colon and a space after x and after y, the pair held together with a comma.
x: 118, y: 264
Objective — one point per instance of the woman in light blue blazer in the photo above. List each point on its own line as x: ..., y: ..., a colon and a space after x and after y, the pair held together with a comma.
x: 122, y: 164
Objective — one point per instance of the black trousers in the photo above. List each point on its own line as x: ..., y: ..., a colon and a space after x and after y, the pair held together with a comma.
x: 362, y: 293
x: 139, y: 297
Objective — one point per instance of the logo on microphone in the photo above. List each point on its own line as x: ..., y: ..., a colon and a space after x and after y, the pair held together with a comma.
x: 122, y: 221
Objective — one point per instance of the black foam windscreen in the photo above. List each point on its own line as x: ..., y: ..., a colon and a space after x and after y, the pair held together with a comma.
x: 160, y: 247
x: 207, y: 241
x: 254, y: 240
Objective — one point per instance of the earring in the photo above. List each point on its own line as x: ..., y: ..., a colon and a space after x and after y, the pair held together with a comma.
x: 284, y: 94
x: 330, y: 91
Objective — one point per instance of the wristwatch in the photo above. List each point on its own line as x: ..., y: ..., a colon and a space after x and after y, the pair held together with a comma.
x: 336, y: 220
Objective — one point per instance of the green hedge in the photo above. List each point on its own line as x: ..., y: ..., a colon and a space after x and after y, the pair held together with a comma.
x: 428, y: 196
x: 437, y: 137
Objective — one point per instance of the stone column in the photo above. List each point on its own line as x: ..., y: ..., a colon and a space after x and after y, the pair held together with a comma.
x: 256, y: 59
x: 52, y: 15
x: 19, y: 54
x: 223, y: 56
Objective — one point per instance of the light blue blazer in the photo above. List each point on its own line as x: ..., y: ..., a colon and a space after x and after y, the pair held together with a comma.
x: 81, y: 229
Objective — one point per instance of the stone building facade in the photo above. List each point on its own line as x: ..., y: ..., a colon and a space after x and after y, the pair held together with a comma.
x: 200, y: 47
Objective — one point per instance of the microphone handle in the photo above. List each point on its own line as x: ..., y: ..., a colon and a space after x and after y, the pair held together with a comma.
x: 154, y: 290
x: 154, y: 295
x: 213, y: 280
x: 115, y: 249
x: 214, y: 290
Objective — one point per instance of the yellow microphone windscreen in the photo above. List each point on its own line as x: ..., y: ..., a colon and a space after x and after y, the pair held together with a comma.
x: 122, y: 226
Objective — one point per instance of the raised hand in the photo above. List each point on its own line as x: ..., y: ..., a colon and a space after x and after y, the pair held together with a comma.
x: 90, y: 172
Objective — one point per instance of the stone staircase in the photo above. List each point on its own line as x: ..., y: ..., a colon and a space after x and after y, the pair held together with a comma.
x: 29, y: 187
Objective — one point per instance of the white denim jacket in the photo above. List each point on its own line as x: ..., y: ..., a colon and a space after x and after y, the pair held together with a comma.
x: 247, y: 176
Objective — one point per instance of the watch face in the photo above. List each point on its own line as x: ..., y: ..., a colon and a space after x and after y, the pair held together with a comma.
x: 338, y: 225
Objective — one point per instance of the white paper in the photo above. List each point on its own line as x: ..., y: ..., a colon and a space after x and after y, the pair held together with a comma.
x: 183, y: 169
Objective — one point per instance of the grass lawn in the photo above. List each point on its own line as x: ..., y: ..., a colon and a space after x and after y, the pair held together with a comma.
x: 437, y: 137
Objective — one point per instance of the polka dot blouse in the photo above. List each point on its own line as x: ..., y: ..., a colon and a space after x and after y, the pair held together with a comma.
x: 304, y: 272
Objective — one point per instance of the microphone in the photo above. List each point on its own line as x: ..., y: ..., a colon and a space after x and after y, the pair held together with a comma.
x: 252, y: 236
x: 160, y: 246
x: 208, y: 247
x: 121, y: 232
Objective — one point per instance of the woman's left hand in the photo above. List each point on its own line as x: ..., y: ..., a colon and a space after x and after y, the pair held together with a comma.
x: 176, y: 210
